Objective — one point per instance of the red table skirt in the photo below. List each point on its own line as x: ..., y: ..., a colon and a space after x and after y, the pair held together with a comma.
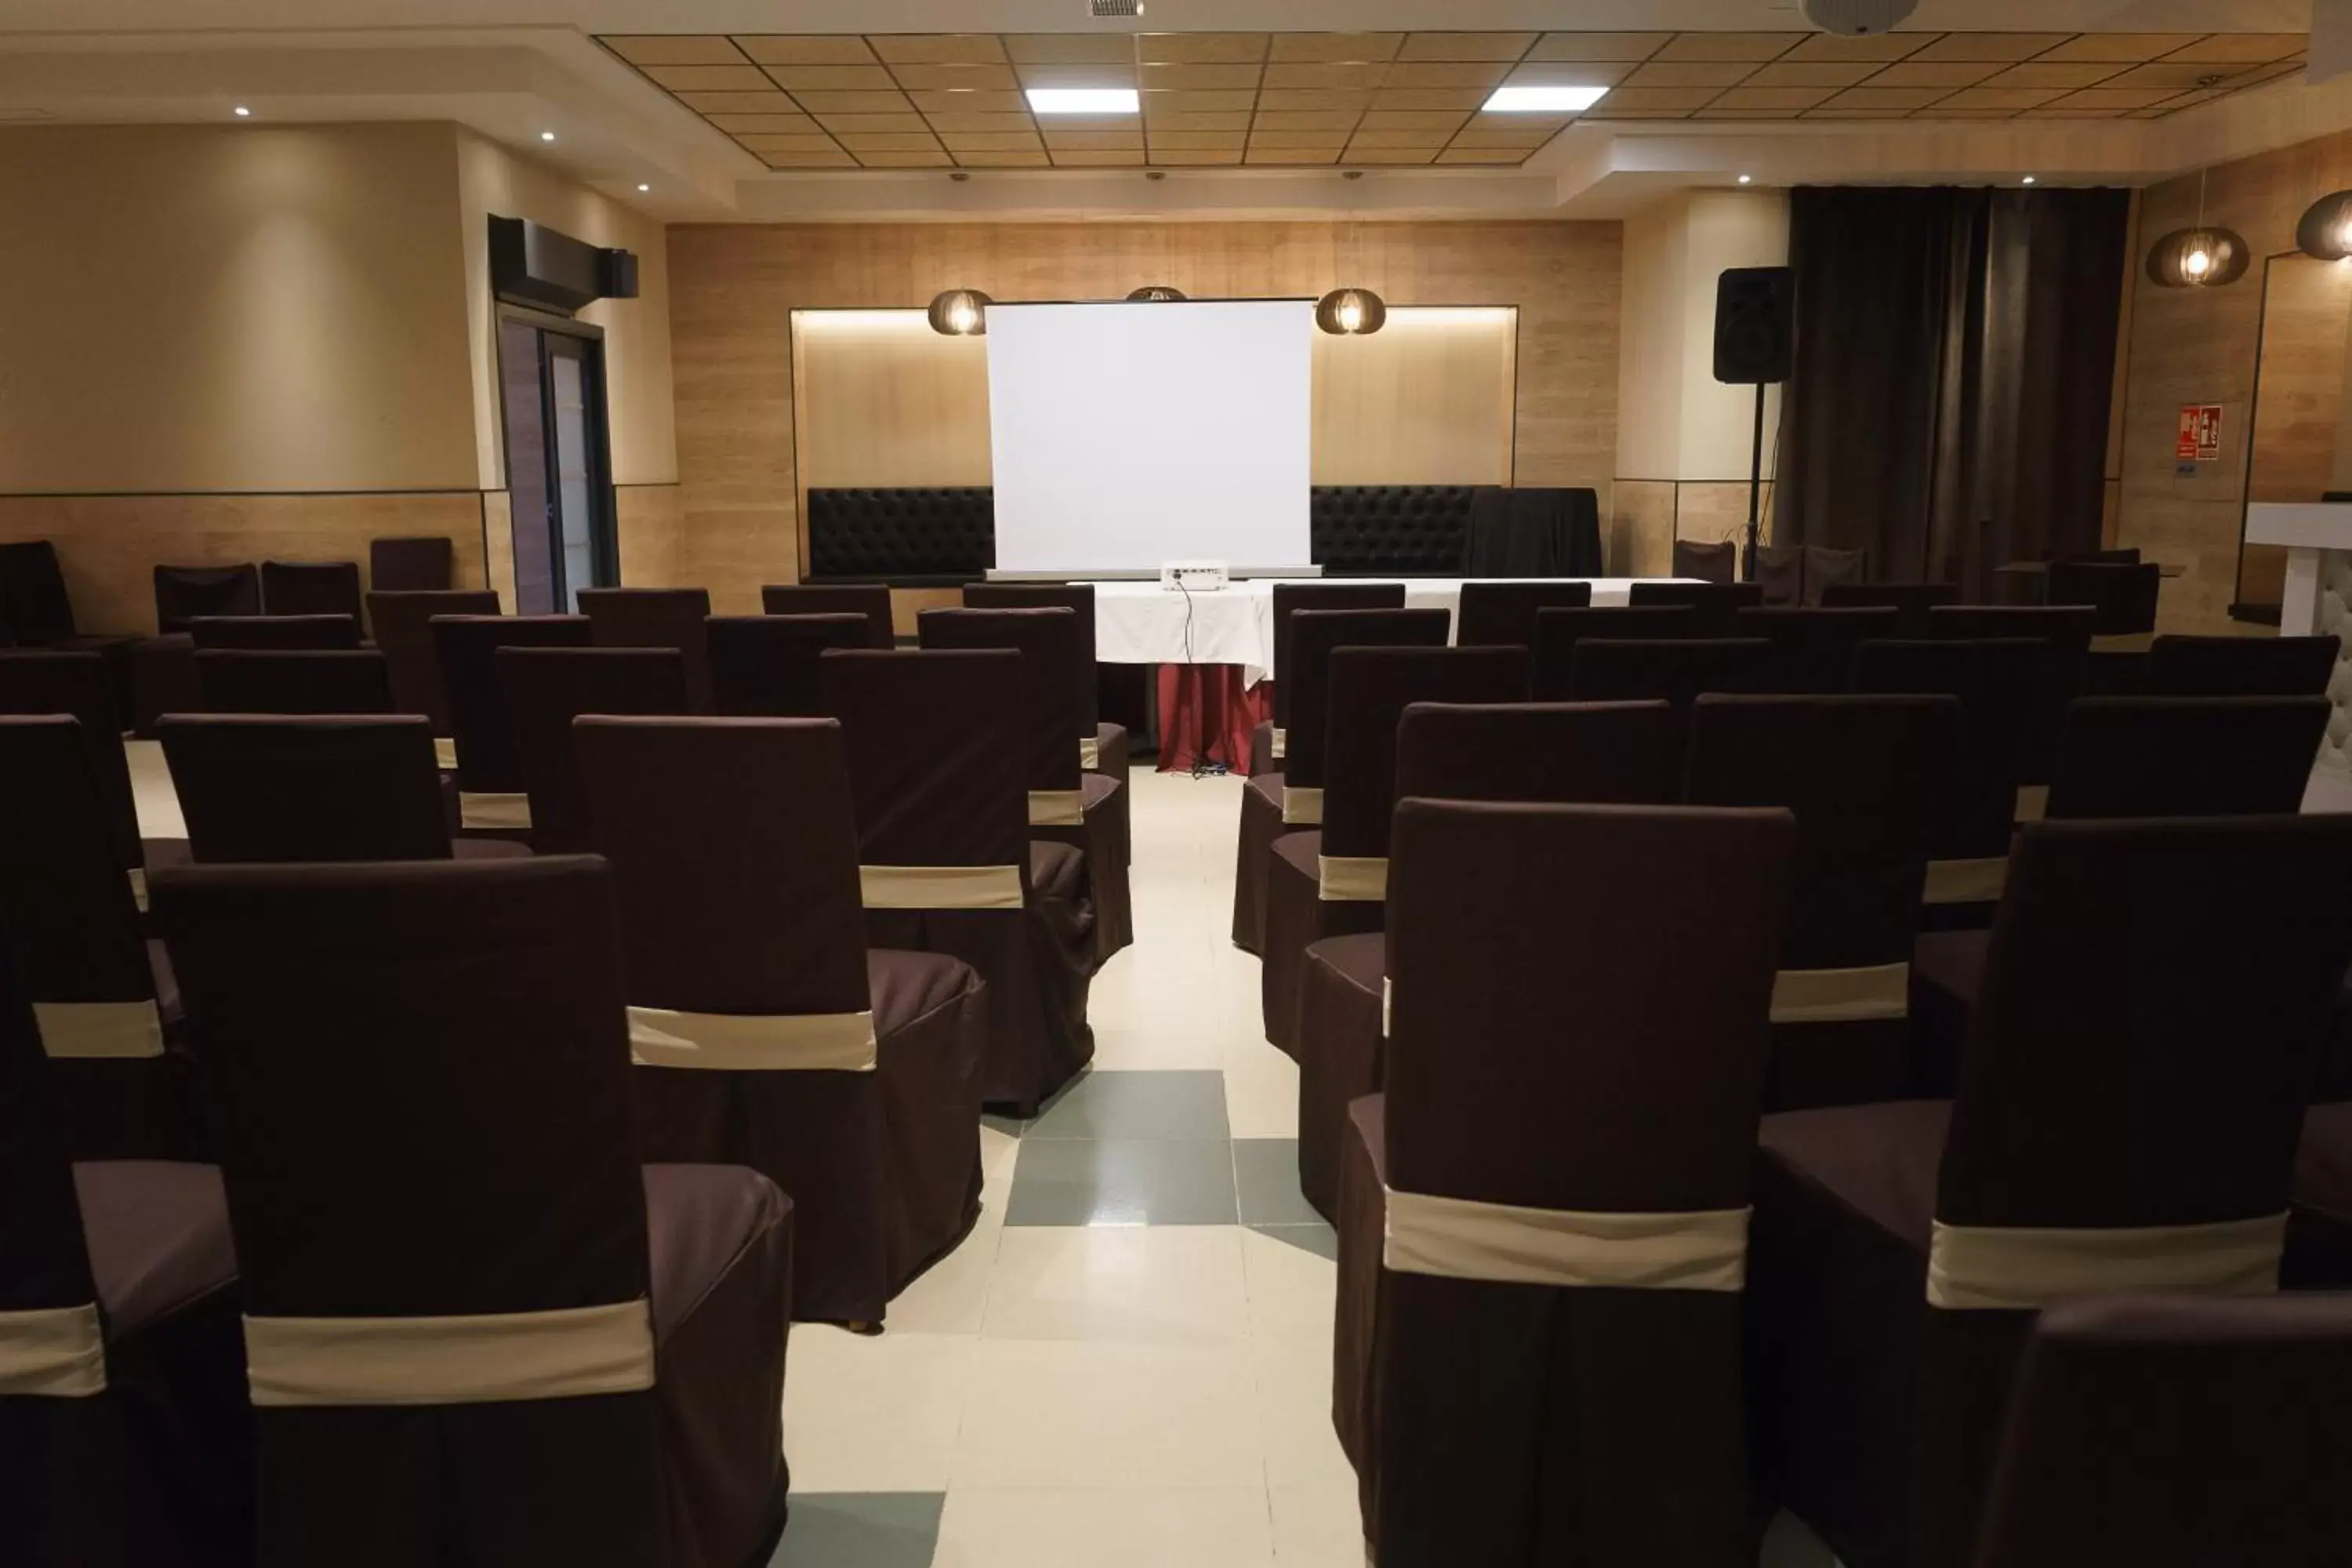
x: 1206, y: 716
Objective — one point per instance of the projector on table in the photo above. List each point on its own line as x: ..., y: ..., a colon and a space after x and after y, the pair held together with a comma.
x: 1192, y: 576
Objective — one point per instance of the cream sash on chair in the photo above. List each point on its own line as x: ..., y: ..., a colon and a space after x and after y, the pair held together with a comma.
x: 940, y: 886
x: 137, y: 887
x: 1842, y: 995
x: 1301, y: 806
x: 1090, y: 753
x: 1977, y: 881
x: 488, y: 1358
x: 2033, y: 802
x: 1281, y: 742
x: 99, y: 1031
x: 738, y: 1042
x: 1352, y: 878
x: 1461, y: 1238
x: 481, y: 809
x: 52, y: 1352
x: 2123, y: 642
x: 1057, y: 808
x: 445, y: 753
x: 2002, y: 1268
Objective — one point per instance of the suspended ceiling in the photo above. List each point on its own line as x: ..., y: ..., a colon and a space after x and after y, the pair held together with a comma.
x: 902, y: 101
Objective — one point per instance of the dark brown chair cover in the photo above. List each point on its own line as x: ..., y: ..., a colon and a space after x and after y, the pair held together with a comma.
x: 1676, y: 670
x: 2170, y: 1432
x: 274, y: 790
x: 2155, y: 1000
x: 2319, y: 1228
x: 36, y: 683
x: 1561, y: 754
x: 1812, y: 649
x: 734, y: 854
x: 2123, y: 598
x: 1709, y: 560
x: 71, y: 918
x: 311, y: 589
x: 2136, y: 757
x: 935, y: 771
x: 2241, y: 667
x: 1860, y: 774
x: 1826, y: 569
x: 1780, y: 573
x: 1260, y: 821
x: 546, y: 690
x: 1503, y: 615
x: 1914, y: 600
x: 490, y: 761
x: 1109, y: 752
x: 2066, y: 628
x: 871, y: 599
x: 1058, y: 696
x: 402, y: 624
x: 143, y: 1460
x: 185, y: 593
x: 424, y: 1081
x: 656, y: 618
x: 1559, y: 631
x: 423, y: 564
x: 1714, y: 606
x: 1579, y: 1024
x: 1369, y: 689
x: 244, y: 680
x: 765, y: 666
x: 2187, y: 756
x: 285, y: 633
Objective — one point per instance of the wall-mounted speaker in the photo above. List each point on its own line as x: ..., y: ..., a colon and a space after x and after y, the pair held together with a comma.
x: 1755, y: 325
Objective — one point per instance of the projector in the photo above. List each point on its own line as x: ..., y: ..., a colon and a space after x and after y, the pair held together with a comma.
x: 1192, y: 576
x: 1858, y: 18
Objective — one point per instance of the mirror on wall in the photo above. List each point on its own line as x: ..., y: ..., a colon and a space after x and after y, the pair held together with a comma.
x: 2301, y: 450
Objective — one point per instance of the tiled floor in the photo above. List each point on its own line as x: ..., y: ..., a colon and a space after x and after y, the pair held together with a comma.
x: 1129, y: 1361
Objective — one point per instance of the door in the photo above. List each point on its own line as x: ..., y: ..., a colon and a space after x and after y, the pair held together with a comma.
x: 559, y: 488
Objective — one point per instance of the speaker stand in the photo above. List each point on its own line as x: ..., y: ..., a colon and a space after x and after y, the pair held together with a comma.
x: 1755, y: 482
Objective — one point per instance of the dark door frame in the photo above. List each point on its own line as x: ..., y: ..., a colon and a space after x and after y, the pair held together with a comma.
x: 604, y: 523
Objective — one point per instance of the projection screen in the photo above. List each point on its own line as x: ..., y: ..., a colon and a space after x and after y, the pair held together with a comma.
x: 1124, y: 436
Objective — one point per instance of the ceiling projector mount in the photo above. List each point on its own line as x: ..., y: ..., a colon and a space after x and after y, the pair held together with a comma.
x: 1858, y: 18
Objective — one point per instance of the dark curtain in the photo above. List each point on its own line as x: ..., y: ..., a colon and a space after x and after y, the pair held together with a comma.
x: 1954, y: 360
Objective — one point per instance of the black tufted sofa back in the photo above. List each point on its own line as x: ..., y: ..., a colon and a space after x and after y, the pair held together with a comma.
x: 1380, y: 531
x: 913, y: 538
x: 919, y: 538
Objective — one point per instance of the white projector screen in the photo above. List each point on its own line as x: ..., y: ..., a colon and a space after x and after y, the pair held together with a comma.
x: 1124, y: 436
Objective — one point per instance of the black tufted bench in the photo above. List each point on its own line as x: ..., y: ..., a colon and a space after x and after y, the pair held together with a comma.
x: 942, y: 538
x: 907, y: 538
x: 1385, y: 531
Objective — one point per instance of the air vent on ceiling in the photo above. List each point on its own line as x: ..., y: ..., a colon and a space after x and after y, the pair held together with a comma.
x: 1110, y: 8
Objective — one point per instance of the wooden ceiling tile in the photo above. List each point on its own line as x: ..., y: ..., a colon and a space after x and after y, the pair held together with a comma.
x: 1258, y: 154
x: 1234, y: 120
x: 863, y: 141
x: 854, y: 102
x: 1915, y: 72
x: 715, y: 79
x: 673, y: 50
x: 2124, y: 48
x: 1466, y: 45
x: 960, y: 102
x: 1314, y: 98
x: 2111, y: 100
x: 1070, y: 49
x: 1076, y: 158
x: 1878, y: 47
x: 1195, y: 157
x: 1092, y: 141
x: 1812, y: 73
x: 1886, y: 98
x: 937, y: 48
x: 846, y: 125
x: 1065, y: 73
x: 1338, y: 48
x: 1195, y: 140
x: 1296, y: 139
x: 1326, y: 75
x: 1307, y: 119
x: 1202, y: 49
x: 1786, y: 98
x: 1447, y: 73
x: 1623, y: 46
x: 1396, y: 120
x: 2010, y: 98
x: 982, y: 124
x: 1428, y: 100
x: 2242, y: 48
x: 978, y: 159
x: 2066, y: 75
x: 830, y: 158
x: 2002, y: 46
x: 816, y: 141
x: 2179, y: 76
x: 990, y: 142
x: 1653, y: 99
x: 1487, y: 155
x: 1571, y: 73
x: 770, y: 50
x: 1691, y: 73
x: 1159, y: 103
x: 761, y: 124
x: 1753, y: 46
x: 1372, y: 136
x: 956, y: 78
x: 772, y: 101
x: 1359, y: 152
x: 936, y: 158
x: 1201, y: 79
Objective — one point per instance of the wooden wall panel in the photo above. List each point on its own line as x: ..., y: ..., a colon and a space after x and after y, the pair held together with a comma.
x: 733, y: 290
x: 109, y: 545
x: 1428, y: 400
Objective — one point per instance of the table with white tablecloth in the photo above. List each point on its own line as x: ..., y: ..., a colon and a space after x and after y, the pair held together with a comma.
x: 1142, y: 622
x: 1215, y: 650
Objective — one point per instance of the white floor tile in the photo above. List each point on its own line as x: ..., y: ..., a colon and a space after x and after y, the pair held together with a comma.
x: 1260, y: 1090
x: 1225, y: 1527
x: 878, y: 1415
x: 1318, y: 1527
x: 1293, y: 1376
x: 1084, y: 1413
x: 1139, y: 1285
x: 1291, y: 1290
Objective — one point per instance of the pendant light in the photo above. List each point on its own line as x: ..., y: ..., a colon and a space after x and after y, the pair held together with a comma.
x: 1352, y: 312
x: 1155, y: 294
x: 960, y: 313
x: 2206, y: 256
x: 2326, y: 230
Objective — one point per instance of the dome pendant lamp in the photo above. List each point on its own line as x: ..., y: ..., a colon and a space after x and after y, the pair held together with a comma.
x: 2326, y: 230
x: 960, y: 313
x: 1352, y: 312
x: 2206, y: 256
x: 1156, y: 294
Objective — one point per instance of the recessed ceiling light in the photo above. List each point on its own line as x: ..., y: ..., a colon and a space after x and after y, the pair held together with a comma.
x: 1084, y: 100
x: 643, y: 189
x: 1544, y: 100
x: 2029, y: 179
x: 546, y: 135
x: 1746, y: 179
x: 242, y: 112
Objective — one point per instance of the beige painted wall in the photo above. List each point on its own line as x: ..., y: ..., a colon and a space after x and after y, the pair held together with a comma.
x: 231, y: 309
x: 493, y: 179
x: 733, y: 290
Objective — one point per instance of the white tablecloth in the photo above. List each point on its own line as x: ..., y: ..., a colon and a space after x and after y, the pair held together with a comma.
x: 1142, y: 622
